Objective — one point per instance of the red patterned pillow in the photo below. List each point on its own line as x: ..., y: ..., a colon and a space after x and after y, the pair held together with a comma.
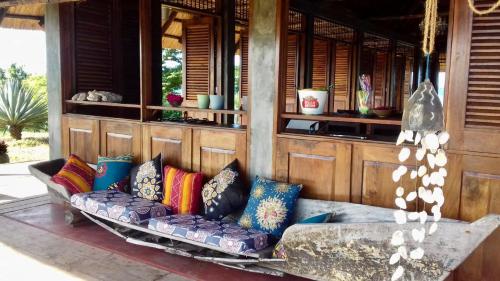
x: 182, y: 190
x: 76, y: 176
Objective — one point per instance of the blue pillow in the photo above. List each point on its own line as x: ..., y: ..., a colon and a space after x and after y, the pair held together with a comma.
x: 322, y: 218
x: 112, y: 172
x: 270, y: 206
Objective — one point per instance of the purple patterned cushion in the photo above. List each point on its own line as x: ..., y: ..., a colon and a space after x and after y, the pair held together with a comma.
x: 231, y: 238
x: 119, y: 206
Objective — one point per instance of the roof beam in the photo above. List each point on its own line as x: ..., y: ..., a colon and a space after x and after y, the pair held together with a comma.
x: 10, y: 3
x: 24, y: 17
x: 169, y: 22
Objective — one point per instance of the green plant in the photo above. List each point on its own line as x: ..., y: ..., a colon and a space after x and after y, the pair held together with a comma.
x: 21, y: 108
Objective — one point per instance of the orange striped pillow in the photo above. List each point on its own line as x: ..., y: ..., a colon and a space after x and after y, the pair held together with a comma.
x: 182, y: 190
x: 76, y: 176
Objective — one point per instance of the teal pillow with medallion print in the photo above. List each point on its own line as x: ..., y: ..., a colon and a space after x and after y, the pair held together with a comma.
x: 112, y: 172
x: 270, y: 206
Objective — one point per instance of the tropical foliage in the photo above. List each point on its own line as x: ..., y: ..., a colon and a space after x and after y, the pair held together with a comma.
x: 21, y: 108
x: 171, y: 77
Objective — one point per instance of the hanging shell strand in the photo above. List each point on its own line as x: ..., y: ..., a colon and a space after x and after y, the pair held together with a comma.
x: 429, y: 175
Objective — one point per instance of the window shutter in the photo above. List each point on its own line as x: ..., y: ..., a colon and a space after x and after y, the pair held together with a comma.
x: 94, y: 46
x: 292, y: 70
x: 341, y: 76
x: 379, y: 78
x: 320, y: 63
x: 197, y: 54
x: 483, y: 94
x: 244, y: 64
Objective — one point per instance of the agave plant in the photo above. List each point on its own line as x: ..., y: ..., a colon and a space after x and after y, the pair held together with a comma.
x: 21, y: 108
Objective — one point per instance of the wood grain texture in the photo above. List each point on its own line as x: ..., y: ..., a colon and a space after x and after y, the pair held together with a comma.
x: 80, y: 137
x: 174, y: 143
x: 213, y: 150
x: 119, y: 138
x: 322, y: 167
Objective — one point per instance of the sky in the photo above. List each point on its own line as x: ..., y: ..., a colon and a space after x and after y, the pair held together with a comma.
x: 24, y: 47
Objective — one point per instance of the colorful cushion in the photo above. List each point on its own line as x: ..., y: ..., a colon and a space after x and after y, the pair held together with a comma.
x: 76, y: 176
x: 182, y: 190
x: 113, y: 172
x: 119, y: 206
x: 224, y: 194
x: 322, y: 218
x: 270, y: 207
x: 229, y: 237
x: 146, y: 180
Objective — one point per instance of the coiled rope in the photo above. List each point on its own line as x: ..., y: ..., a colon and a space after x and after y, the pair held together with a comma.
x: 483, y: 12
x: 430, y: 27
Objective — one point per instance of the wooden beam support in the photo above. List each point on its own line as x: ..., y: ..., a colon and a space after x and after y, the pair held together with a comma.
x: 308, y: 71
x: 11, y: 3
x: 169, y: 22
x: 228, y: 45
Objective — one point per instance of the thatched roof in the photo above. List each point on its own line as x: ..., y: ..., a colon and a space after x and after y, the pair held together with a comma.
x: 24, y: 14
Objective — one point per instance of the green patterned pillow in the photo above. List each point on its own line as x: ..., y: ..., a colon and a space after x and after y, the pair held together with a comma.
x: 271, y: 206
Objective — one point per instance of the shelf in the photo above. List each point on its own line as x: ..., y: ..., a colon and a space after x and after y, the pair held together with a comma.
x: 340, y: 118
x: 110, y: 104
x: 195, y: 109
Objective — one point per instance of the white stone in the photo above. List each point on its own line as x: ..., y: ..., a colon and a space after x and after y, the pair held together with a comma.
x: 404, y: 154
x: 432, y: 141
x: 443, y: 172
x: 443, y: 137
x: 441, y: 158
x: 413, y: 216
x: 398, y: 273
x: 396, y: 176
x: 418, y: 138
x: 413, y: 174
x: 402, y: 251
x: 417, y: 254
x: 426, y: 180
x: 394, y: 258
x: 397, y: 238
x: 433, y: 228
x: 423, y: 217
x: 431, y: 159
x: 420, y: 154
x: 422, y: 170
x: 418, y: 235
x: 400, y: 216
x: 411, y: 196
x: 401, y: 138
x: 400, y: 202
x: 400, y: 191
x: 409, y: 135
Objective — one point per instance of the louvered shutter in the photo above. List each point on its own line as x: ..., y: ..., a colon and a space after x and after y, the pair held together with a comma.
x: 341, y: 76
x: 320, y: 63
x: 244, y: 64
x: 94, y: 46
x: 197, y: 54
x: 483, y: 95
x: 379, y: 78
x: 292, y: 72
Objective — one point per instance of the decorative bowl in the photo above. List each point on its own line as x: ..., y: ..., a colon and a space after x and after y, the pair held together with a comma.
x: 382, y: 112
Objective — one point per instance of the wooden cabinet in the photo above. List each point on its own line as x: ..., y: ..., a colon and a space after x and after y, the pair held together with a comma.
x: 322, y: 167
x: 119, y: 138
x: 80, y: 137
x: 174, y: 143
x: 214, y: 149
x: 372, y: 169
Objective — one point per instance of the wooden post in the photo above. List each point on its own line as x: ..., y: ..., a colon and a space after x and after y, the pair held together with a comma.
x: 228, y: 44
x: 309, y: 51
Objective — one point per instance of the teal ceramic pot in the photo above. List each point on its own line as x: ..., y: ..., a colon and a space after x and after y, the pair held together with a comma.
x: 203, y: 101
x: 216, y: 102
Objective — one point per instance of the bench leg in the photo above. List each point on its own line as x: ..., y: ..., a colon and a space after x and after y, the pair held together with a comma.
x: 73, y: 217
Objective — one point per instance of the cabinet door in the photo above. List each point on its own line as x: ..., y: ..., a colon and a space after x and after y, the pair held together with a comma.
x: 480, y: 196
x: 322, y: 167
x: 372, y: 169
x: 80, y: 136
x: 174, y: 143
x: 119, y: 138
x: 214, y: 149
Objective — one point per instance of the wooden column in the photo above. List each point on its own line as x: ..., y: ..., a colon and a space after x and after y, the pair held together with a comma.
x: 308, y: 71
x: 228, y: 44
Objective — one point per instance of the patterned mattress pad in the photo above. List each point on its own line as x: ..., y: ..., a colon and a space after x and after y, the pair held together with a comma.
x: 119, y: 206
x: 229, y: 237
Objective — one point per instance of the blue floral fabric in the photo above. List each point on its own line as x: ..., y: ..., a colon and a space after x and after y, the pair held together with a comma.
x: 119, y: 206
x: 112, y: 172
x: 271, y: 206
x: 229, y: 237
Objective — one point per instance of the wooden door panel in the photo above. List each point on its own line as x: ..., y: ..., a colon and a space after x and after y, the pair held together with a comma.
x: 322, y: 167
x: 120, y: 138
x: 480, y: 195
x: 214, y: 149
x: 80, y: 137
x: 174, y: 143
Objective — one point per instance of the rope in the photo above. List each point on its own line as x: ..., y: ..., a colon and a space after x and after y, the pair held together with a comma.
x: 483, y: 12
x: 430, y: 26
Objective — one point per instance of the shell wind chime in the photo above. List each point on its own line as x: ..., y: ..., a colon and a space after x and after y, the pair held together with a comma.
x: 423, y: 128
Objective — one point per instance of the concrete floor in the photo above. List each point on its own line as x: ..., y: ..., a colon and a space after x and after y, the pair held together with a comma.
x: 28, y: 253
x: 16, y: 182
